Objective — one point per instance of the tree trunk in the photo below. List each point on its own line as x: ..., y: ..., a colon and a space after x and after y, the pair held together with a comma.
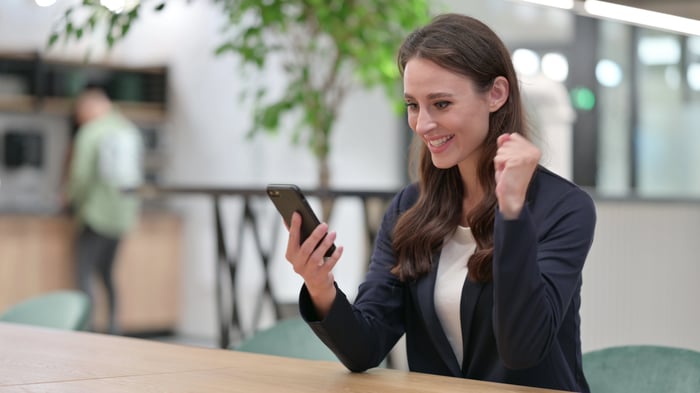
x: 324, y: 177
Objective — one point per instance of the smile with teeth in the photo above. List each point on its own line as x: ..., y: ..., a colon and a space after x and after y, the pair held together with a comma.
x: 440, y: 141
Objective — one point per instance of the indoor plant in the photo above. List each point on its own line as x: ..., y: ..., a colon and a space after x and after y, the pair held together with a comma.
x: 325, y: 47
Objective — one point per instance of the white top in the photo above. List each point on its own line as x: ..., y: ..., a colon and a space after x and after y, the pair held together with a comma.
x: 451, y: 275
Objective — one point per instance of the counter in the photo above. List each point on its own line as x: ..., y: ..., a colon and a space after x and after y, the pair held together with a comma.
x: 36, y: 255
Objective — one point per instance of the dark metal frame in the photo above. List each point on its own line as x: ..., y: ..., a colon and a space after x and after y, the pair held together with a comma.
x: 227, y: 262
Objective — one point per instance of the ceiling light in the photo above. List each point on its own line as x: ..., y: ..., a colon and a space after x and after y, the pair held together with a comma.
x: 526, y: 62
x: 45, y: 3
x: 642, y: 17
x: 119, y: 6
x: 608, y: 73
x: 693, y: 76
x: 555, y: 66
x: 659, y: 50
x: 564, y: 4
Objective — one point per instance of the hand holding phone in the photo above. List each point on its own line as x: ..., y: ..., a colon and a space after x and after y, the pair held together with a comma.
x: 288, y: 199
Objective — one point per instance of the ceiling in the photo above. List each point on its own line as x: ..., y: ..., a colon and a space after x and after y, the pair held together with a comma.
x: 684, y: 8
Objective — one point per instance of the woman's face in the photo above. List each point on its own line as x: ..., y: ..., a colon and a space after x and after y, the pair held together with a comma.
x: 447, y: 112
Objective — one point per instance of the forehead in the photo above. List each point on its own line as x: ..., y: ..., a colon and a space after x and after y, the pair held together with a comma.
x: 422, y: 76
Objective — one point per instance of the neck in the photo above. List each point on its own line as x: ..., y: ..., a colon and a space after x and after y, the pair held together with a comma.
x: 470, y: 177
x: 474, y: 191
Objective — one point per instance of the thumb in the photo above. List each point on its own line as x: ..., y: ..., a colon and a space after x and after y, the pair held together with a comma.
x: 499, y: 165
x: 503, y: 138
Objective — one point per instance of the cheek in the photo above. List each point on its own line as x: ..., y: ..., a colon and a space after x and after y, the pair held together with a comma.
x: 481, y: 123
x: 411, y: 118
x: 482, y: 130
x: 484, y: 122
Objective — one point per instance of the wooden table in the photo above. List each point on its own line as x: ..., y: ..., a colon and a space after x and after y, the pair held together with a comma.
x: 44, y: 360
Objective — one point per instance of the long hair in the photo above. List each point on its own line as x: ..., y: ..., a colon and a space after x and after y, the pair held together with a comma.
x: 468, y: 47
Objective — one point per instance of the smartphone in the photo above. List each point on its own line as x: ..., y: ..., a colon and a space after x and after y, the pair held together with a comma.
x: 288, y: 199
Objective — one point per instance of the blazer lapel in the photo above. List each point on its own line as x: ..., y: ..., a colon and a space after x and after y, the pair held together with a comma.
x: 425, y: 293
x: 470, y: 297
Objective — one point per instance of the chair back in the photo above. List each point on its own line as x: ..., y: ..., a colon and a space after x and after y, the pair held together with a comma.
x: 290, y: 338
x: 66, y: 310
x: 642, y: 369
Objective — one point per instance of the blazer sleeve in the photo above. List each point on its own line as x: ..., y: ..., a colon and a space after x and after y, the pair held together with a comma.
x: 362, y: 334
x: 537, y: 264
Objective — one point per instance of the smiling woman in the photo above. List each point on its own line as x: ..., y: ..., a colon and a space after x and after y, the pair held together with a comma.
x: 442, y: 105
x: 479, y: 262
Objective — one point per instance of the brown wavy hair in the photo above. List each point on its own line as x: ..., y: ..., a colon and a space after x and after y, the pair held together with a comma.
x: 468, y: 47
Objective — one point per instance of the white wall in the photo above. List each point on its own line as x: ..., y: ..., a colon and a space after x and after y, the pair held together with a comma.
x: 640, y: 279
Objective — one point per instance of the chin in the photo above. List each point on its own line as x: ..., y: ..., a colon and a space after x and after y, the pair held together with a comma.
x: 443, y: 164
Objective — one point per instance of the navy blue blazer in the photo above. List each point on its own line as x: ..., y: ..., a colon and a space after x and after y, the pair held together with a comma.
x: 523, y: 328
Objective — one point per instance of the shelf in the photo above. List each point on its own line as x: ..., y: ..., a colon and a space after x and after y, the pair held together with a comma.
x: 140, y: 113
x: 35, y: 84
x: 143, y: 112
x: 17, y: 103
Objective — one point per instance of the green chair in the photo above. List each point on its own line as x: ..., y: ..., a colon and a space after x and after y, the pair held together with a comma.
x: 642, y: 369
x: 290, y: 338
x: 66, y: 310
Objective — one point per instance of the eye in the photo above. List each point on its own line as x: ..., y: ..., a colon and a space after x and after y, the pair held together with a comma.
x: 442, y: 104
x: 411, y: 106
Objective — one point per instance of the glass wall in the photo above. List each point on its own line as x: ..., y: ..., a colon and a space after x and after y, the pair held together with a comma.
x: 628, y: 120
x: 616, y: 102
x: 650, y: 119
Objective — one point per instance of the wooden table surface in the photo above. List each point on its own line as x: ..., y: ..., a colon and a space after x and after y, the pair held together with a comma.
x: 43, y: 360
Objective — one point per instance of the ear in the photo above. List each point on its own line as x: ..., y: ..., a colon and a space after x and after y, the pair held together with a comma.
x: 498, y: 94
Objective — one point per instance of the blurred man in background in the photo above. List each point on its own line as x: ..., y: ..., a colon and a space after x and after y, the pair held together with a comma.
x: 106, y: 159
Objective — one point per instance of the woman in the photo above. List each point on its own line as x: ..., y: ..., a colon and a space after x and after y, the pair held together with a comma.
x: 478, y: 263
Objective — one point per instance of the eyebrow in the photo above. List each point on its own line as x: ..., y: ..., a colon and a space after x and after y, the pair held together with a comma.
x: 432, y: 96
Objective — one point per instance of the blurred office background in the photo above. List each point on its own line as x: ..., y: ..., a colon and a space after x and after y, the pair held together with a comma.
x: 616, y: 107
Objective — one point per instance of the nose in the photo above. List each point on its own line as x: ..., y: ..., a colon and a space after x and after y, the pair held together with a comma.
x: 424, y: 122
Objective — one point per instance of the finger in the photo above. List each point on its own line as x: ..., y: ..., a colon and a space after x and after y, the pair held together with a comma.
x: 500, y: 160
x: 287, y: 225
x: 517, y: 137
x: 309, y: 245
x: 293, y: 254
x: 314, y: 273
x: 331, y: 261
x: 294, y: 231
x: 503, y: 138
x: 323, y: 247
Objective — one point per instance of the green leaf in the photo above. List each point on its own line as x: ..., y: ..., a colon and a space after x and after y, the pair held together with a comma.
x: 92, y: 21
x: 125, y: 29
x: 225, y: 47
x: 52, y: 39
x: 323, y: 47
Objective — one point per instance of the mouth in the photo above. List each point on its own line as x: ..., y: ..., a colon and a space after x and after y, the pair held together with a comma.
x: 440, y: 141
